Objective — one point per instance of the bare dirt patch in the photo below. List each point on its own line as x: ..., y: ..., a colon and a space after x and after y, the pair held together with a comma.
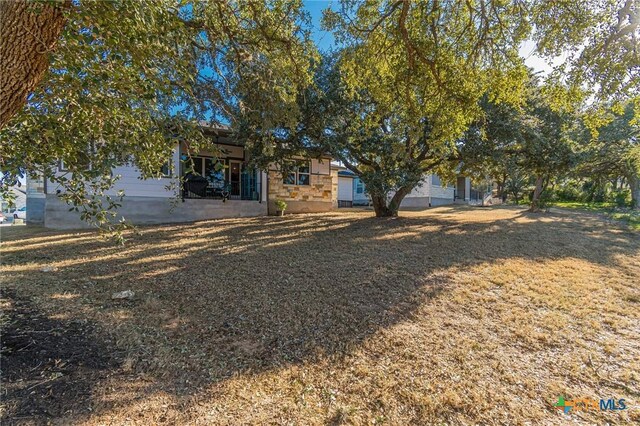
x: 452, y: 315
x: 48, y: 366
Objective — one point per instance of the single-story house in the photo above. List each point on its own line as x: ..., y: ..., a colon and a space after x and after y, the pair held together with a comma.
x: 432, y: 192
x: 222, y: 186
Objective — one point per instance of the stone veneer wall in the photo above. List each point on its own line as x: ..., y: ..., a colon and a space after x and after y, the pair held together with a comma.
x: 320, y: 196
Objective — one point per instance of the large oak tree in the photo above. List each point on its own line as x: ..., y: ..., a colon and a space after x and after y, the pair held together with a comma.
x: 413, y: 73
x: 419, y: 69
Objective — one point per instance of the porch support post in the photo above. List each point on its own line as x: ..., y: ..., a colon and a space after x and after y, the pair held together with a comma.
x: 263, y: 186
x: 176, y: 160
x: 177, y: 172
x: 467, y: 189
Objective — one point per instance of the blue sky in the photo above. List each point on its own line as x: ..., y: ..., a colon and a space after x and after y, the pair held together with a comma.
x: 323, y: 39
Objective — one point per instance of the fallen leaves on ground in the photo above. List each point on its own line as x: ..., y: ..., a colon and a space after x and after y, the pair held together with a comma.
x: 452, y: 315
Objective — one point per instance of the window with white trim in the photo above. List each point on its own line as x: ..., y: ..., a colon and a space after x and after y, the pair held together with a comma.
x: 300, y: 176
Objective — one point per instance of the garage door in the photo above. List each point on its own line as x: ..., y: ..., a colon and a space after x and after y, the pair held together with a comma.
x: 345, y: 189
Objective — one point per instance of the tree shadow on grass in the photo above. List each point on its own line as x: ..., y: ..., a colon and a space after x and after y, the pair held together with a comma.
x: 49, y: 366
x: 221, y: 298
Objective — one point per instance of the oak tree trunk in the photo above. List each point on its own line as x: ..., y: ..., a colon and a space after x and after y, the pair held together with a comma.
x: 28, y: 33
x: 516, y: 194
x: 380, y: 206
x: 383, y: 209
x: 537, y: 192
x: 502, y: 183
x: 634, y: 185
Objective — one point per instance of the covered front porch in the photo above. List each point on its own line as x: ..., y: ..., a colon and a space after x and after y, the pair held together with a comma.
x: 224, y: 175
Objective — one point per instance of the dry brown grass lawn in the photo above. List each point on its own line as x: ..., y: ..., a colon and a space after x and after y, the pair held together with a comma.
x: 449, y: 316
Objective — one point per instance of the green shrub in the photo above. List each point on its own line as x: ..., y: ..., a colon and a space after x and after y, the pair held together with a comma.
x: 567, y: 193
x: 281, y: 205
x: 621, y: 197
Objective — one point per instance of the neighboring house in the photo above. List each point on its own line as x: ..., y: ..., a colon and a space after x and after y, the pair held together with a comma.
x: 432, y: 192
x: 19, y: 201
x: 222, y: 187
x: 351, y: 190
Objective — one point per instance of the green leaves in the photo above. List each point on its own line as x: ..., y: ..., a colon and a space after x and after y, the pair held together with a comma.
x: 130, y: 79
x: 411, y: 78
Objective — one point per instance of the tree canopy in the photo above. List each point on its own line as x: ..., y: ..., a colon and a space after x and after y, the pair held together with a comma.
x: 407, y: 84
x: 128, y: 79
x: 599, y: 39
x: 123, y: 81
x: 614, y: 152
